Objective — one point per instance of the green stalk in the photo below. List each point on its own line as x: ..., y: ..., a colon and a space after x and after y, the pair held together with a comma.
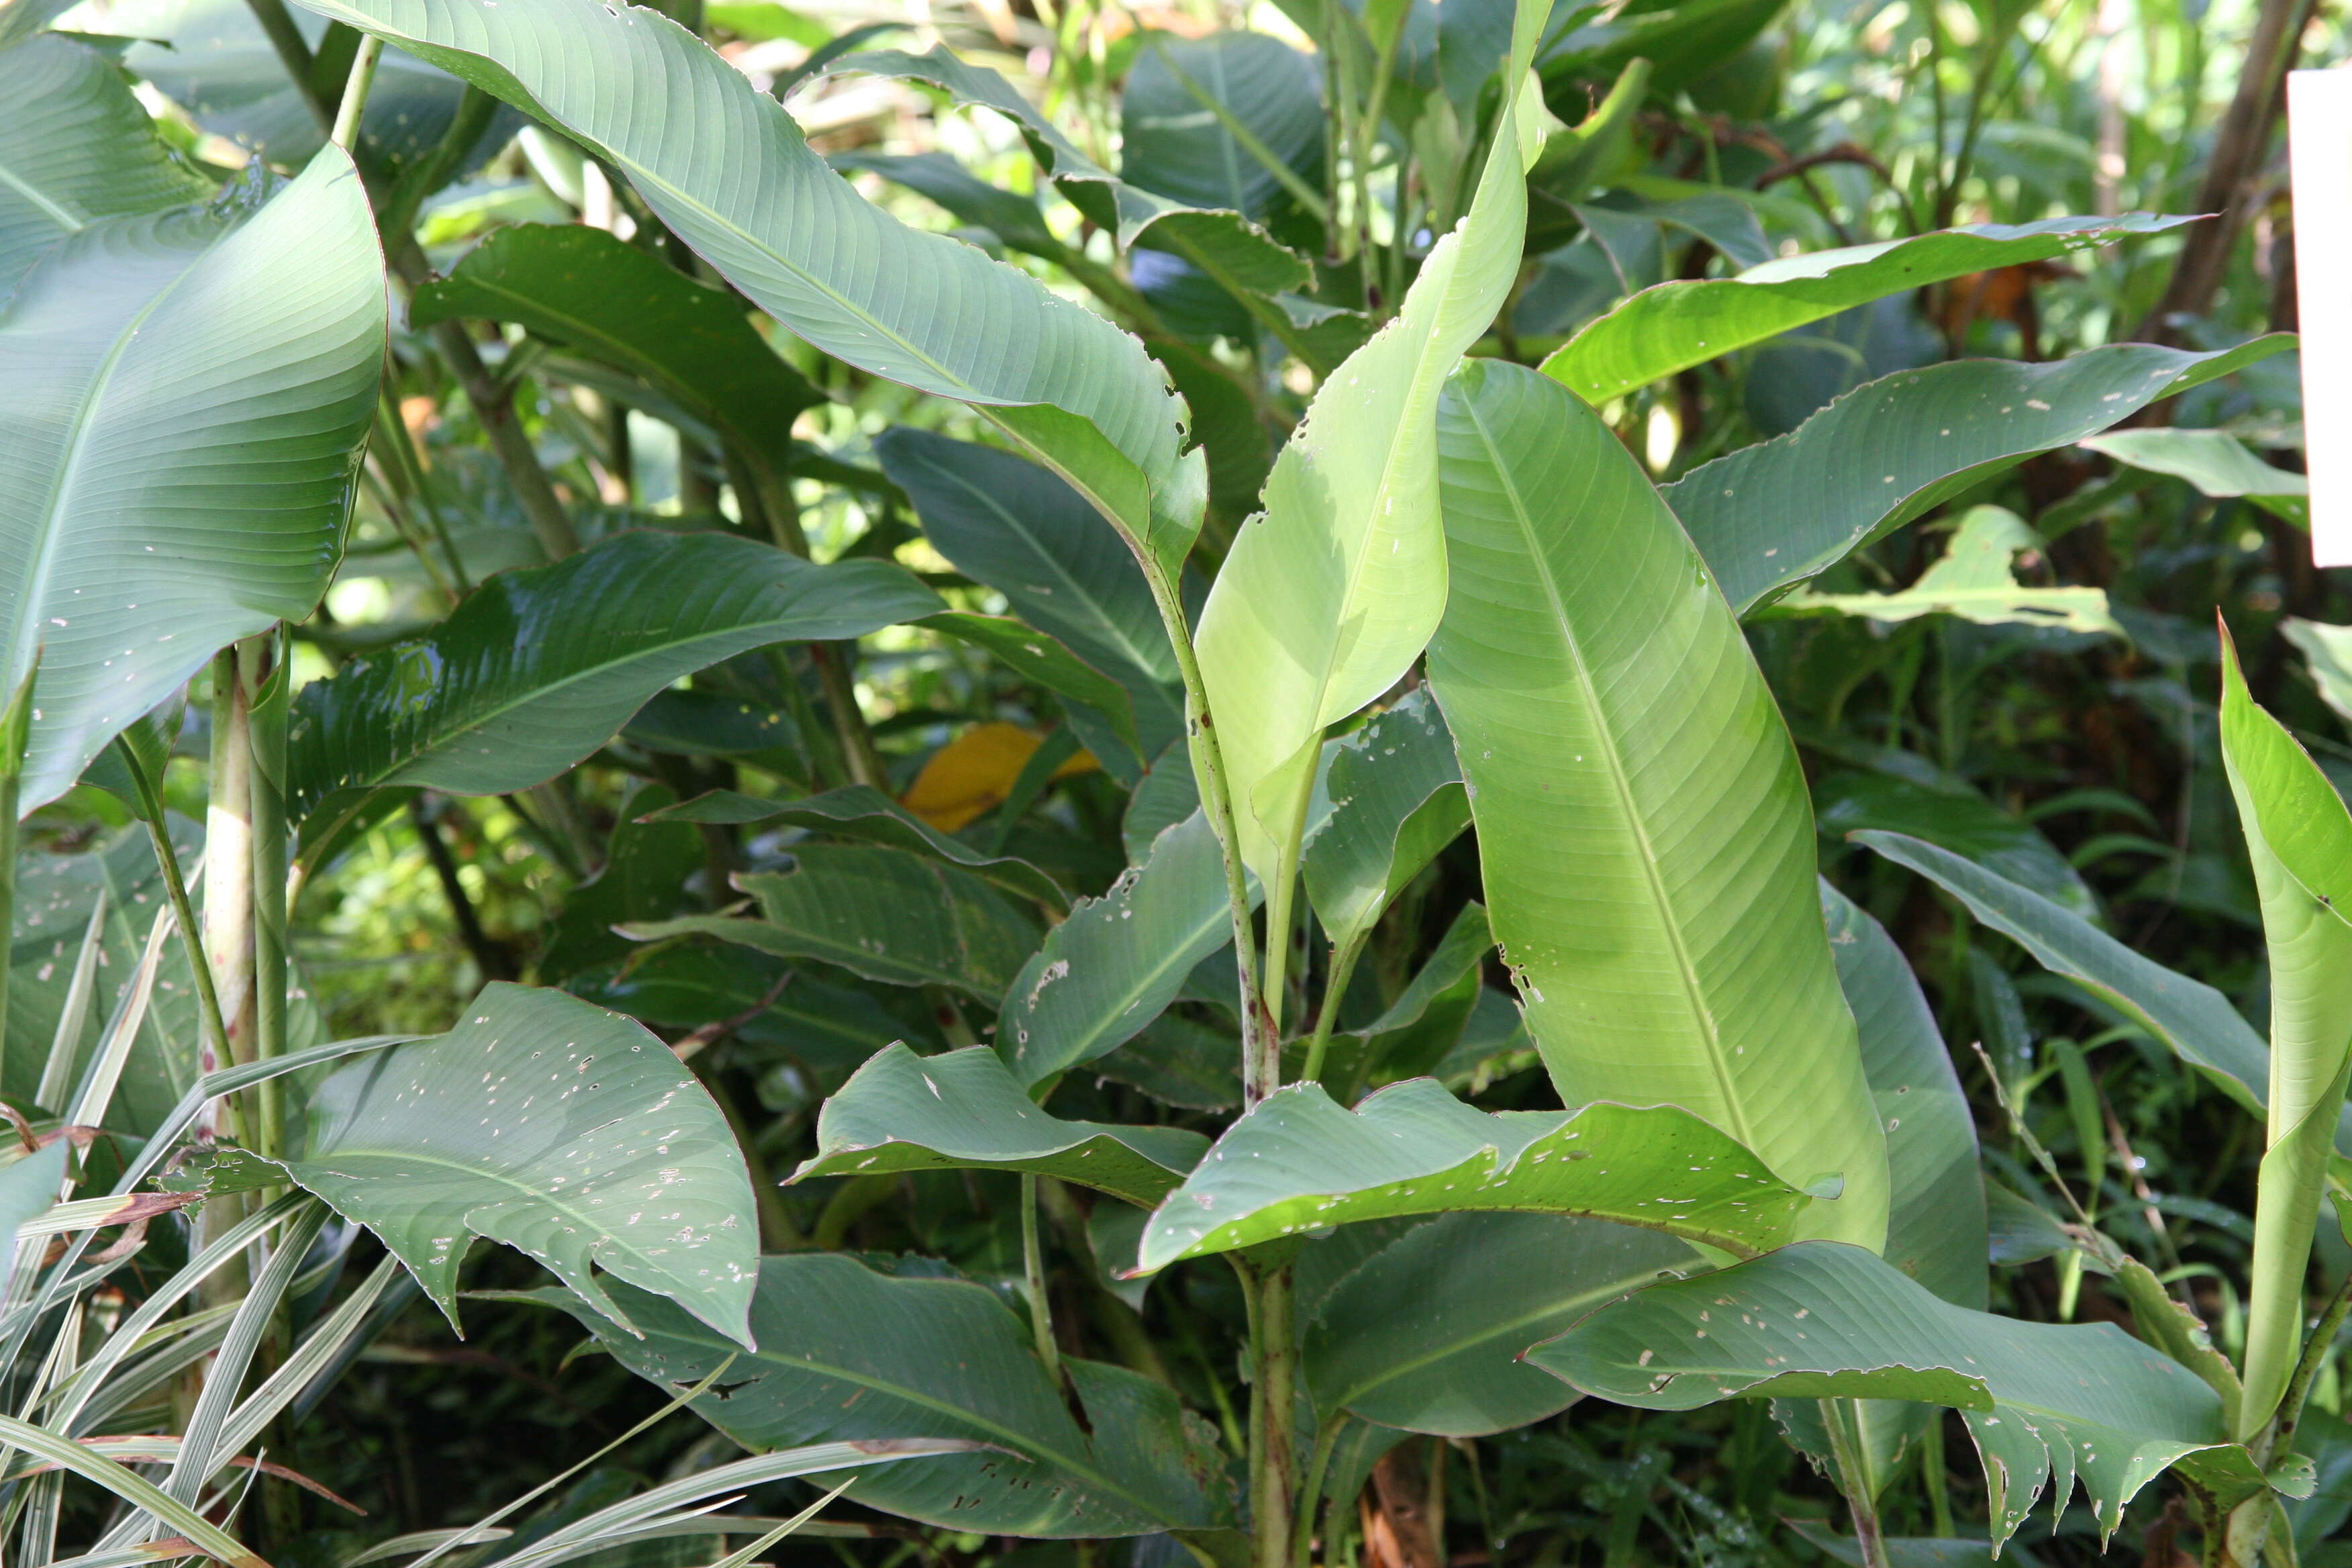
x: 16, y: 735
x: 214, y: 1028
x: 1275, y: 1388
x: 1854, y: 1480
x: 772, y: 494
x: 1032, y: 1273
x: 355, y: 93
x: 263, y: 667
x: 286, y: 38
x: 1310, y: 1496
x: 1335, y: 988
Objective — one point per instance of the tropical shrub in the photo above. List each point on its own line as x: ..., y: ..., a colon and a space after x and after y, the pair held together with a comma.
x: 1116, y: 875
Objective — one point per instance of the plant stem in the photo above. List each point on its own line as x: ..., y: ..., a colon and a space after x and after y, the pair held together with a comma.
x: 2315, y: 1350
x: 214, y: 1028
x: 1335, y: 990
x: 772, y: 494
x: 1032, y: 1272
x: 228, y: 875
x: 293, y: 53
x: 1854, y: 1483
x: 355, y: 93
x: 261, y: 667
x: 1275, y: 1343
x: 1310, y: 1495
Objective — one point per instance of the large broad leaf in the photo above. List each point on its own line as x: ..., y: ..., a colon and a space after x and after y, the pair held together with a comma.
x: 1189, y: 104
x: 1676, y: 325
x: 1004, y: 521
x: 1300, y: 1160
x: 845, y: 1352
x: 537, y: 668
x: 1936, y: 1218
x: 723, y: 165
x: 2215, y: 462
x: 2300, y: 839
x: 887, y: 914
x: 1975, y: 580
x: 1643, y: 823
x: 75, y: 147
x: 963, y: 1111
x: 566, y: 1131
x: 2191, y: 1018
x: 187, y: 392
x: 1772, y: 515
x: 1820, y: 1319
x: 1960, y: 820
x: 864, y: 812
x: 1119, y: 959
x: 1326, y: 599
x: 1396, y: 801
x: 586, y: 288
x: 1427, y: 1333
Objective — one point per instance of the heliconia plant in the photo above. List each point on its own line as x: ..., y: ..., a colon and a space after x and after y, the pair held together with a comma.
x: 1452, y: 614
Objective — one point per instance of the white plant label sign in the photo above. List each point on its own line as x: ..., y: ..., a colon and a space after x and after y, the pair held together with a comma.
x: 2319, y: 144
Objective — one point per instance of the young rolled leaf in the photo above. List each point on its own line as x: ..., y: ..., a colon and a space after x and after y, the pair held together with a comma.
x: 887, y: 914
x: 76, y: 147
x: 1676, y: 325
x: 1300, y: 1160
x: 2300, y: 839
x: 1769, y: 516
x: 962, y: 1112
x: 1328, y: 596
x: 1119, y: 959
x: 584, y: 288
x: 2045, y: 1402
x: 566, y: 1131
x: 2195, y: 1021
x: 847, y: 1353
x: 864, y: 812
x: 1975, y: 580
x: 1643, y: 823
x: 725, y: 168
x: 538, y: 667
x: 1427, y: 1335
x: 1396, y: 801
x: 187, y: 392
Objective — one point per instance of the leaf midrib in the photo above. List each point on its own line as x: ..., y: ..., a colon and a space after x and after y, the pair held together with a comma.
x: 1605, y: 740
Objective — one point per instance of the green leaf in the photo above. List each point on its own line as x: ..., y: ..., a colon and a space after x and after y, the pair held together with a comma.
x: 584, y: 288
x: 1643, y: 824
x: 860, y: 811
x: 962, y: 1112
x: 1299, y: 1161
x: 1325, y: 600
x: 1975, y: 580
x: 2300, y: 838
x: 2328, y: 657
x: 1965, y: 823
x: 1423, y: 1026
x: 1936, y: 1216
x: 845, y: 1354
x: 1427, y: 1333
x: 1015, y: 219
x: 1260, y: 91
x: 1820, y: 1319
x: 537, y: 668
x: 648, y: 860
x: 1101, y: 709
x: 566, y: 1131
x: 1676, y: 325
x: 887, y: 914
x: 1119, y: 959
x: 1396, y: 801
x: 187, y: 392
x: 724, y: 167
x: 2195, y: 1021
x: 1775, y: 514
x: 76, y: 147
x: 2215, y: 463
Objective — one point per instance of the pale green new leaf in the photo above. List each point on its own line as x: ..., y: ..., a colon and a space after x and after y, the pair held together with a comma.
x: 1783, y: 511
x: 864, y: 812
x: 962, y: 1112
x: 2327, y: 655
x: 1643, y: 822
x: 723, y: 165
x: 2300, y: 839
x: 187, y: 392
x: 1976, y: 579
x: 566, y: 1131
x: 1119, y: 959
x: 845, y: 1354
x: 537, y: 668
x: 887, y: 914
x: 75, y: 147
x: 1299, y: 1161
x: 1427, y: 1333
x: 2195, y: 1022
x: 2045, y: 1402
x: 1676, y: 325
x: 2213, y: 461
x: 1396, y: 801
x: 1330, y: 595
